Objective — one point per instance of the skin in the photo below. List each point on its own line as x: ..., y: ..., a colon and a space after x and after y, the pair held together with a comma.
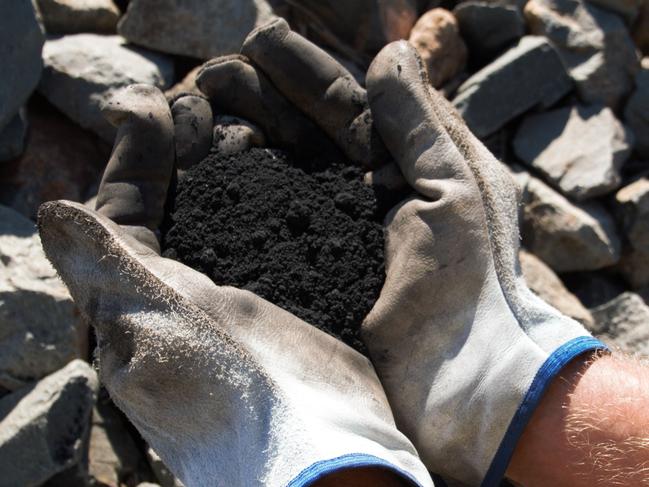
x: 591, y: 428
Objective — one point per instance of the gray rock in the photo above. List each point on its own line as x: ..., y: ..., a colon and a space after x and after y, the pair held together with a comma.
x: 528, y: 75
x: 636, y: 113
x: 579, y: 150
x: 632, y: 211
x: 566, y: 236
x: 21, y: 41
x: 632, y: 204
x: 634, y: 267
x: 12, y: 137
x: 624, y: 323
x: 73, y: 16
x: 547, y: 285
x: 488, y: 28
x: 44, y: 427
x: 82, y: 71
x: 196, y: 28
x: 594, y: 288
x: 40, y: 328
x: 628, y: 9
x: 594, y: 44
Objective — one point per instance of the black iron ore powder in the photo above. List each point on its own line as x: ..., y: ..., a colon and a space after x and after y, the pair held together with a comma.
x: 307, y: 238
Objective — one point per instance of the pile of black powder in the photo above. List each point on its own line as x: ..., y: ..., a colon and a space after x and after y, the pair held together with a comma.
x: 307, y: 238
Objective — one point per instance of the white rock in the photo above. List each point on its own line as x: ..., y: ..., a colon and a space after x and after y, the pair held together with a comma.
x: 40, y: 328
x: 84, y: 70
x: 566, y: 236
x: 44, y: 426
x: 196, y: 28
x: 624, y: 323
x: 72, y: 16
x: 579, y: 149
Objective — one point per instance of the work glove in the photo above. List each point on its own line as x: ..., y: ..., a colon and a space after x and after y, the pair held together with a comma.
x: 463, y: 348
x: 226, y: 387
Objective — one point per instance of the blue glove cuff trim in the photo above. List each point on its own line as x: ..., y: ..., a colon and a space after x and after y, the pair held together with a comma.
x: 325, y: 467
x: 550, y: 368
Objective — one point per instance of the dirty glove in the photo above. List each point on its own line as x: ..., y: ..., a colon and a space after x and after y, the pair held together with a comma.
x: 463, y: 348
x: 296, y: 93
x: 226, y: 387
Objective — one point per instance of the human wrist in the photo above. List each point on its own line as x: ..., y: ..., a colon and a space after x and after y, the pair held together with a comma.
x: 590, y: 424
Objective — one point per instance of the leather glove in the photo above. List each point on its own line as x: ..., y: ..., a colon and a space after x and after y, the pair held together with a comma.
x: 463, y: 348
x: 226, y: 387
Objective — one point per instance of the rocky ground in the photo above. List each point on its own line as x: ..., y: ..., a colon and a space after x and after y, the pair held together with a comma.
x: 558, y: 89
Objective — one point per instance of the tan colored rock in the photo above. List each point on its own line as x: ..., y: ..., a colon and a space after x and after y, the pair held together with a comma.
x: 624, y: 323
x: 436, y: 36
x: 114, y: 458
x: 547, y: 285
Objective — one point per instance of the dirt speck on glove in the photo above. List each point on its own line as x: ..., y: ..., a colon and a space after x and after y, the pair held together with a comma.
x: 305, y: 237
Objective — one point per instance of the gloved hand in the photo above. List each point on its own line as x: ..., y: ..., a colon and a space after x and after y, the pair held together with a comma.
x: 463, y: 348
x: 228, y: 388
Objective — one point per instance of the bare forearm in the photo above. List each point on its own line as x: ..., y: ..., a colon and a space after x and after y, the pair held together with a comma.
x: 592, y: 428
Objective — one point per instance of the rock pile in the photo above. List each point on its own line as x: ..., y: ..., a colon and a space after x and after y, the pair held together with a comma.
x: 558, y: 89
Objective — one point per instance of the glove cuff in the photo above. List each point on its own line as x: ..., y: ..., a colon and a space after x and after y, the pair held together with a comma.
x: 542, y: 380
x: 322, y: 468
